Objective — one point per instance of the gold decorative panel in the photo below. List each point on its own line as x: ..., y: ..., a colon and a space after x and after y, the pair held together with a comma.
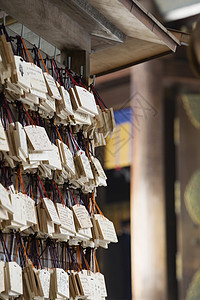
x: 192, y: 106
x: 192, y: 197
x: 193, y: 292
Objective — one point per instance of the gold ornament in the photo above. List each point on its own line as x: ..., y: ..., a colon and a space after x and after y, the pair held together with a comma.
x: 193, y: 292
x: 191, y: 104
x: 192, y: 198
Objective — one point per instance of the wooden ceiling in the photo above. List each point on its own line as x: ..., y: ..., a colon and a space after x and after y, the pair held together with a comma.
x: 116, y: 33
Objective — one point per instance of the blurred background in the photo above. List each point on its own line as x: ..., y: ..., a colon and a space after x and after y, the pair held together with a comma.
x: 153, y: 166
x: 153, y: 169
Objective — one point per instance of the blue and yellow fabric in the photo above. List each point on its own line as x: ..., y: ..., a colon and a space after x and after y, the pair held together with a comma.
x: 118, y: 150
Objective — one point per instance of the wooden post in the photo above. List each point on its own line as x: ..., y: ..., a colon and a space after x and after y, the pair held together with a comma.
x: 148, y: 232
x: 79, y: 60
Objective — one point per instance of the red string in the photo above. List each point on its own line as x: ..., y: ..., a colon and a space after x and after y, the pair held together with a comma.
x: 73, y: 138
x: 38, y: 120
x: 99, y: 100
x: 85, y: 260
x: 27, y: 52
x: 87, y: 150
x: 73, y: 196
x: 58, y: 131
x: 43, y: 61
x: 96, y: 205
x: 56, y: 71
x: 60, y: 195
x: 32, y: 122
x: 9, y: 115
x: 43, y: 187
x: 96, y: 262
x: 72, y: 78
x: 19, y: 174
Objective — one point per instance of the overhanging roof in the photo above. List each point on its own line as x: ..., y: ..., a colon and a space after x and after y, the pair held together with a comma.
x: 116, y: 33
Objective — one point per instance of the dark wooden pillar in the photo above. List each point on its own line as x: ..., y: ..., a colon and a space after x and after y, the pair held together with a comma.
x: 148, y: 232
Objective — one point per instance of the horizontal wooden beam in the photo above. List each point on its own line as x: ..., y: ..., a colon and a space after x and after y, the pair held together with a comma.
x: 94, y: 22
x: 116, y: 34
x: 66, y: 24
x: 137, y: 22
x: 183, y: 37
x: 50, y: 22
x: 152, y: 24
x: 131, y: 53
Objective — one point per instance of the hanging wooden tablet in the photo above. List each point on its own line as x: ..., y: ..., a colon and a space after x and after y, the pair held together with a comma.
x: 20, y: 142
x: 113, y: 124
x: 40, y: 292
x: 66, y: 217
x: 30, y: 212
x: 107, y: 121
x: 13, y: 89
x: 5, y: 200
x: 3, y: 214
x: 99, y: 174
x: 37, y: 156
x: 84, y: 164
x: 73, y: 292
x: 81, y: 118
x: 85, y: 233
x: 12, y: 149
x: 48, y: 105
x: 89, y: 243
x: 9, y: 161
x: 28, y: 166
x: 74, y: 288
x: 50, y: 228
x: 28, y: 284
x: 51, y: 86
x: 100, y: 277
x: 66, y: 157
x: 71, y: 288
x: 106, y: 228
x: 61, y: 233
x: 54, y: 160
x: 7, y: 59
x: 2, y: 277
x: 66, y: 102
x: 30, y: 99
x: 96, y: 287
x: 31, y: 286
x: 95, y: 232
x: 98, y: 167
x: 62, y: 283
x: 44, y: 276
x: 19, y: 210
x: 14, y: 277
x: 86, y: 100
x: 22, y: 73
x: 99, y: 119
x: 81, y: 216
x: 51, y: 211
x: 83, y: 283
x: 27, y: 292
x: 75, y: 104
x: 38, y: 94
x: 3, y: 139
x: 38, y: 138
x: 37, y: 80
